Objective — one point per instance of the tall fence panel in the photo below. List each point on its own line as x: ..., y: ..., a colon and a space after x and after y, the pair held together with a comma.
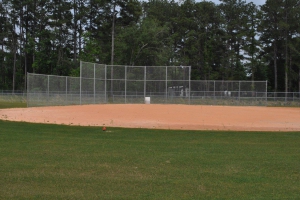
x: 100, y: 83
x: 37, y: 90
x: 131, y: 84
x: 92, y: 83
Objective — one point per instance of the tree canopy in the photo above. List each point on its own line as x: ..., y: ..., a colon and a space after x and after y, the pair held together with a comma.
x: 233, y: 40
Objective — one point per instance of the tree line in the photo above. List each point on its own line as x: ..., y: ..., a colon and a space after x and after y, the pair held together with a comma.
x: 233, y: 40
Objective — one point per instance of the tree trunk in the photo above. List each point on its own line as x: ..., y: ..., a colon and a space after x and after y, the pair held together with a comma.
x: 14, y: 43
x: 25, y: 44
x: 75, y: 32
x: 79, y: 38
x: 25, y: 65
x: 22, y: 45
x: 33, y: 35
x: 112, y: 47
x: 2, y: 64
x: 275, y: 67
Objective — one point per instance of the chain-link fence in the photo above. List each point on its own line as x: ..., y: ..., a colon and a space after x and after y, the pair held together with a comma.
x: 136, y: 84
x: 111, y: 84
x: 229, y: 92
x: 132, y: 84
x: 50, y: 90
x: 13, y: 96
x: 284, y: 99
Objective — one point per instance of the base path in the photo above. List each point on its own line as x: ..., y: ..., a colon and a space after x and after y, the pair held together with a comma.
x: 185, y: 117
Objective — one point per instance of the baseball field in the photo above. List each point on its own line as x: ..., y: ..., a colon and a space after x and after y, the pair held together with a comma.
x: 150, y: 152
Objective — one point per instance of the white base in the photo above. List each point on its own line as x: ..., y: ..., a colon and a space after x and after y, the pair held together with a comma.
x: 147, y: 100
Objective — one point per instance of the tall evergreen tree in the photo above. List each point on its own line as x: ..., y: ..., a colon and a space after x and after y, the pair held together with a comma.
x: 271, y: 34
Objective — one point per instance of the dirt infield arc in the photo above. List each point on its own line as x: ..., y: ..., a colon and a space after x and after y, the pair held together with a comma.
x: 185, y: 117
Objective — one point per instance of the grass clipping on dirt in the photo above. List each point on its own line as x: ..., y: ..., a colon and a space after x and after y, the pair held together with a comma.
x: 63, y: 162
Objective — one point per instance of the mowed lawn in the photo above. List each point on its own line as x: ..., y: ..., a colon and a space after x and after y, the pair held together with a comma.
x: 12, y: 104
x: 39, y: 161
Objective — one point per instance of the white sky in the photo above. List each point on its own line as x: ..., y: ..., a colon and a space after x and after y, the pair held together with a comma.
x: 257, y: 2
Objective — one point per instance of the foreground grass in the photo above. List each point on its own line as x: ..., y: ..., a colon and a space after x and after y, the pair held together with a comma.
x: 61, y: 162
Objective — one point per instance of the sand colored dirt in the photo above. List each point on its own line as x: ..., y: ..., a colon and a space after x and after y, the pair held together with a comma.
x: 186, y: 117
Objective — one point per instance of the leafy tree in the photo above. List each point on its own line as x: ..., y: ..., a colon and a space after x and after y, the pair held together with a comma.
x: 271, y: 34
x: 143, y: 44
x: 232, y: 40
x: 235, y: 25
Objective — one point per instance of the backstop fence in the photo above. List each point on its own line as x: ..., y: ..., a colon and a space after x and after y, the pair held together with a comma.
x: 100, y: 84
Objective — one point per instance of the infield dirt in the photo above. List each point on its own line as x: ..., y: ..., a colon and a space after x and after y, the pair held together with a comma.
x: 156, y: 116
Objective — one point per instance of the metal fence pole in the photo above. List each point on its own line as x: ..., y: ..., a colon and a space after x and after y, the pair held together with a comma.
x: 126, y: 84
x: 27, y: 89
x: 166, y: 95
x: 94, y: 83
x: 239, y: 90
x: 189, y: 84
x: 48, y: 91
x: 266, y: 92
x: 80, y: 82
x: 145, y: 78
x: 214, y: 90
x: 105, y: 70
x: 66, y: 90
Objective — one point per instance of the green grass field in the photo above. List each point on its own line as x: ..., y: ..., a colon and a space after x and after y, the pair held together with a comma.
x: 12, y: 101
x: 5, y: 104
x: 39, y: 161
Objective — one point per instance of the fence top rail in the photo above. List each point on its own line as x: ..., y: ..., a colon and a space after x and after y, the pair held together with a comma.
x: 34, y: 74
x: 92, y: 63
x: 146, y: 66
x: 229, y: 81
x: 283, y: 92
x: 195, y: 81
x: 12, y: 91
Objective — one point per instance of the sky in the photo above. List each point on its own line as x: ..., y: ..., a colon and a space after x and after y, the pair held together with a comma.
x: 257, y: 2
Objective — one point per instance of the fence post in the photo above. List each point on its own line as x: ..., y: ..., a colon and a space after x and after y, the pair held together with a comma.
x: 105, y: 70
x: 94, y: 83
x: 66, y: 91
x: 125, y: 83
x: 80, y: 82
x: 27, y: 88
x: 214, y: 92
x: 48, y: 91
x: 166, y: 85
x: 239, y: 90
x: 145, y: 78
x: 189, y: 84
x: 266, y: 92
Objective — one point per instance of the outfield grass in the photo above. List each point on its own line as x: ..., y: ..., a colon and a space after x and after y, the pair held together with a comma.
x: 7, y: 104
x: 12, y: 101
x: 62, y: 162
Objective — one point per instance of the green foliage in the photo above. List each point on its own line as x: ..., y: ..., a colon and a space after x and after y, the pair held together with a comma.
x: 93, y: 51
x: 231, y: 40
x: 12, y: 104
x: 142, y: 44
x: 65, y: 162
